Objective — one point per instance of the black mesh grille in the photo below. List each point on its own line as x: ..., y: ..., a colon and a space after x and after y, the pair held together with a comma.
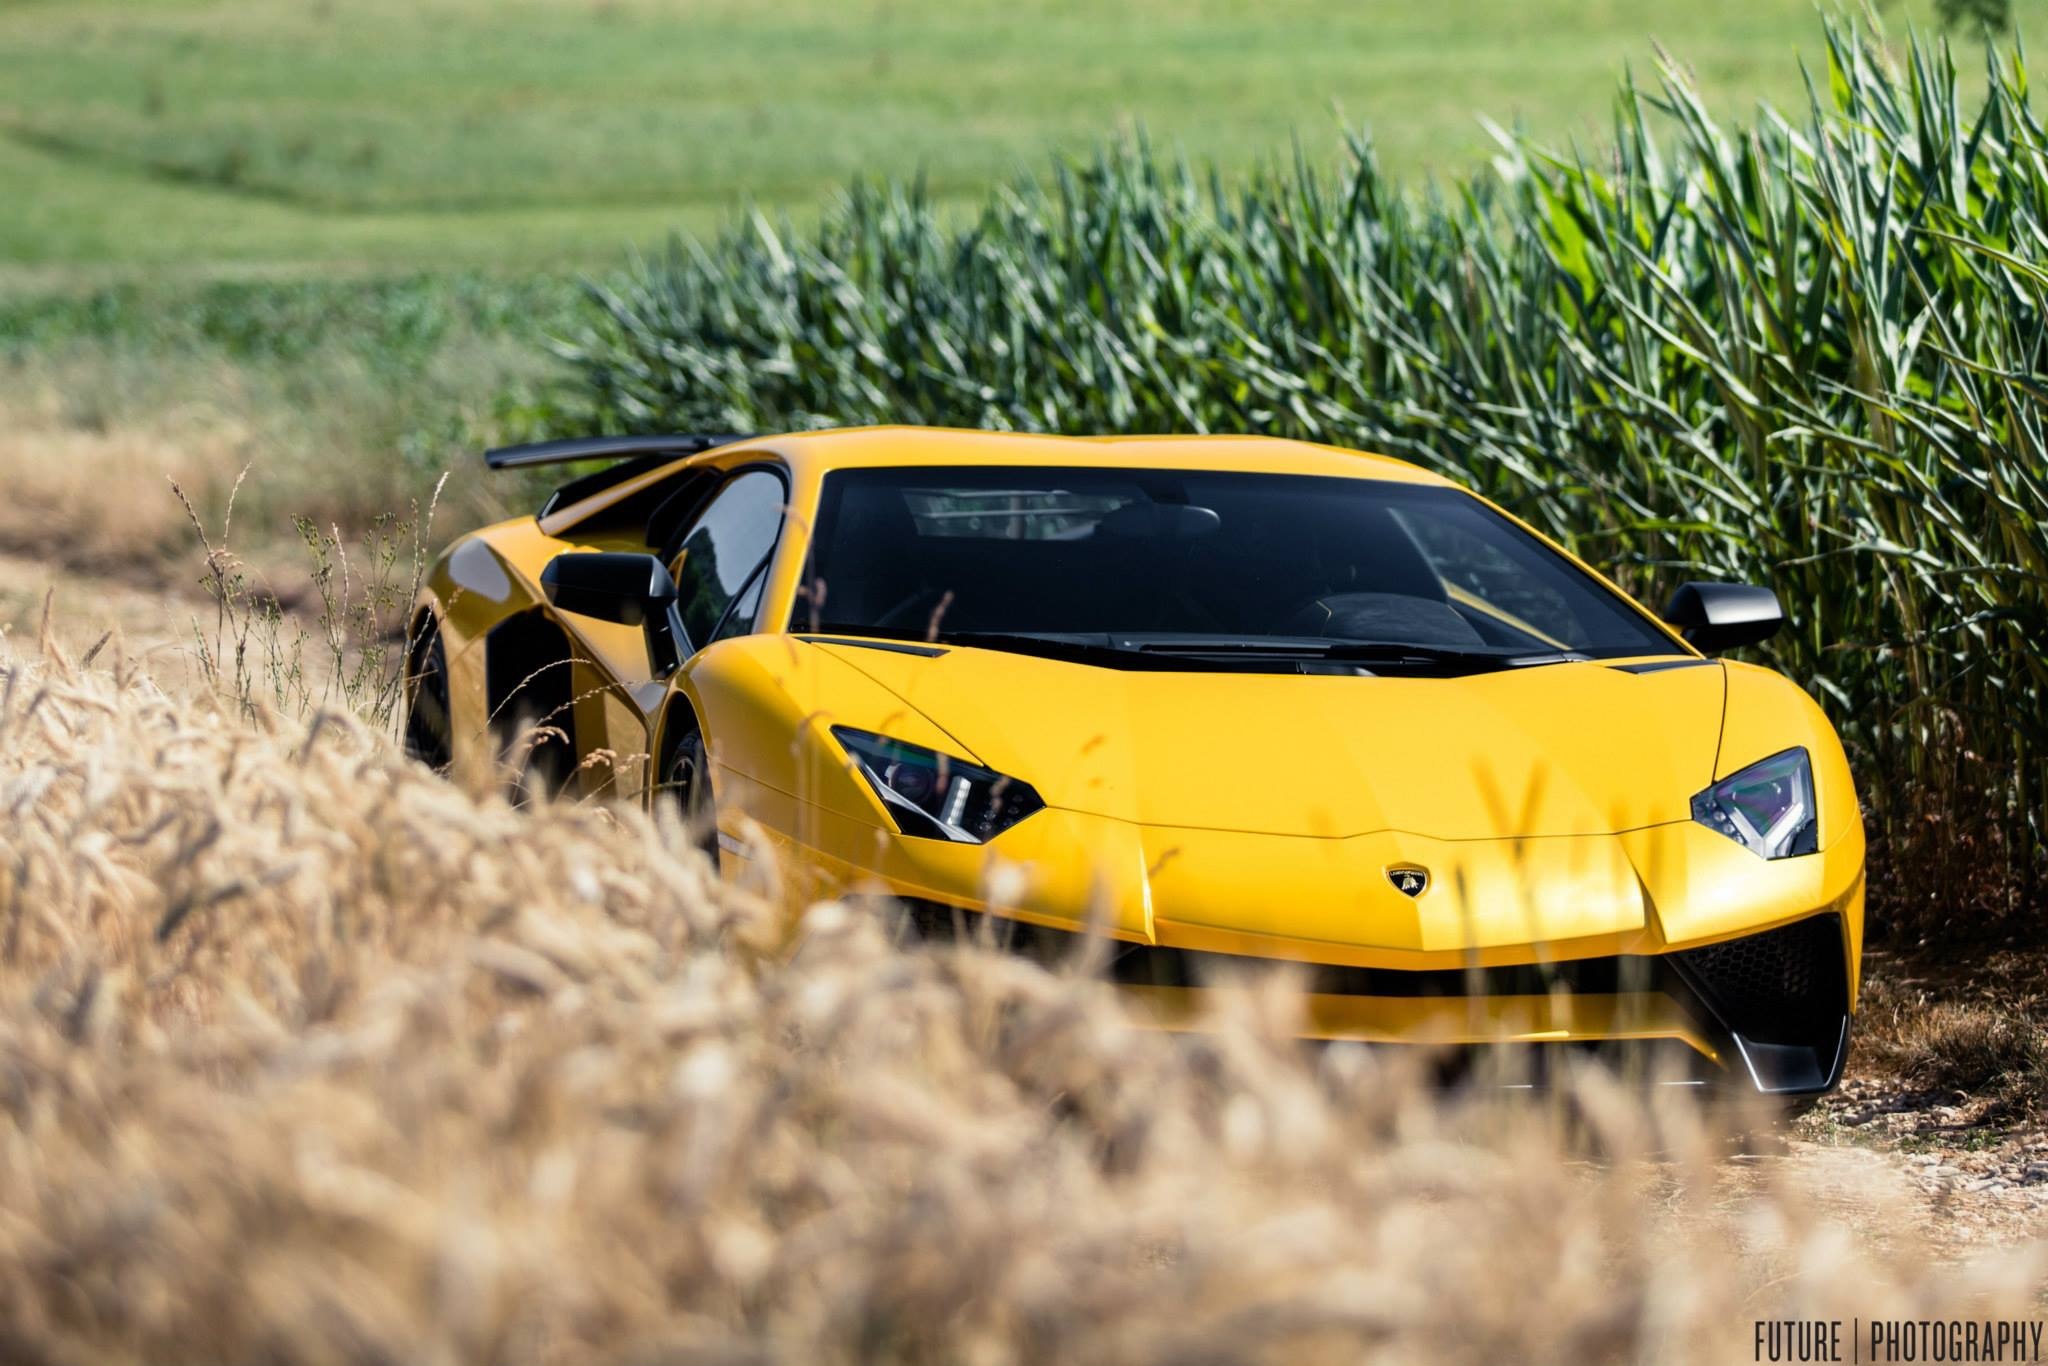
x: 1782, y: 985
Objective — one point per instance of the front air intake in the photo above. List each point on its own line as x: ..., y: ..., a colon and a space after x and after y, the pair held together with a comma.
x: 1784, y: 986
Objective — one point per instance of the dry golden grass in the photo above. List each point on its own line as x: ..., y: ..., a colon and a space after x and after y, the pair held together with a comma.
x: 98, y: 498
x: 92, y: 443
x: 308, y: 1057
x: 1958, y: 1041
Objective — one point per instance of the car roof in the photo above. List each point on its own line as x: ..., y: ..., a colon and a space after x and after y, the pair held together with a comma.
x: 812, y: 454
x: 882, y: 447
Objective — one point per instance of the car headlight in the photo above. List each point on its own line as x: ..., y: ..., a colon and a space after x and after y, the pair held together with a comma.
x: 1767, y: 808
x: 935, y: 796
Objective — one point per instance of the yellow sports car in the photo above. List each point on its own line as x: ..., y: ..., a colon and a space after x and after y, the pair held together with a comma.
x: 1227, y: 701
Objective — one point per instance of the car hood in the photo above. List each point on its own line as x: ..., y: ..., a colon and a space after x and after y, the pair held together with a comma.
x: 1561, y: 749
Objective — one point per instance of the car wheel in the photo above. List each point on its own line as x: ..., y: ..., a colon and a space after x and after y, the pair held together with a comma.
x: 429, y: 732
x: 687, y: 782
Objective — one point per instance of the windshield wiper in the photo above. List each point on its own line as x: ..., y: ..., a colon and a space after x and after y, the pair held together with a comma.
x: 1075, y: 646
x: 1361, y: 651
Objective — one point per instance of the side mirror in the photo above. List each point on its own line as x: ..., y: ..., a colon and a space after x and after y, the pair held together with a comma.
x: 1721, y: 616
x: 625, y: 589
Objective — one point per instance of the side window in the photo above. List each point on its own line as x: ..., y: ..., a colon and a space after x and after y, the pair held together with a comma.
x: 733, y: 535
x: 745, y: 610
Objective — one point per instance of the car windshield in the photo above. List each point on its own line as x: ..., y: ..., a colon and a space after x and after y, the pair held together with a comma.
x: 1199, y: 563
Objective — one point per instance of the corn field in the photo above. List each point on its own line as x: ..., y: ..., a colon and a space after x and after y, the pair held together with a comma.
x: 1807, y: 352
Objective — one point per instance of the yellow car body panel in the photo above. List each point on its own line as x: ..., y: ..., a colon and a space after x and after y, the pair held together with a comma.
x: 1245, y: 816
x: 1451, y: 1020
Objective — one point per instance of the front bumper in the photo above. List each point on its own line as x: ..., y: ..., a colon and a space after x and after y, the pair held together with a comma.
x: 1768, y: 1011
x: 1669, y: 934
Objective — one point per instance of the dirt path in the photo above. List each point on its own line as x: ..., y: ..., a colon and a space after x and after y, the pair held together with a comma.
x: 1940, y: 1125
x: 156, y: 623
x: 1964, y: 1173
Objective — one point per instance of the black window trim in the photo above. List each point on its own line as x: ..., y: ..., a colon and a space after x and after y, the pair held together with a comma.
x: 691, y: 482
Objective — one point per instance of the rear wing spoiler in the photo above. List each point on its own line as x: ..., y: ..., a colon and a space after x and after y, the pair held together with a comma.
x: 568, y: 452
x: 629, y: 455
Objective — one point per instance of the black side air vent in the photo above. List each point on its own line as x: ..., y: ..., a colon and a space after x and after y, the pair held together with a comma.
x: 1657, y: 666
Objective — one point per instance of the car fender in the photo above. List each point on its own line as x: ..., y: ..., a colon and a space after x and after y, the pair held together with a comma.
x: 1767, y: 713
x: 767, y: 704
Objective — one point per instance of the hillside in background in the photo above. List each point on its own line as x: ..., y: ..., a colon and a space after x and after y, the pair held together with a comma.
x: 196, y: 137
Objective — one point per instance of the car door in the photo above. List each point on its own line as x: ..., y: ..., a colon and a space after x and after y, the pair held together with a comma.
x: 719, y: 562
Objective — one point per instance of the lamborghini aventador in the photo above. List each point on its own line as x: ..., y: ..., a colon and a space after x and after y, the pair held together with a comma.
x: 1228, y: 702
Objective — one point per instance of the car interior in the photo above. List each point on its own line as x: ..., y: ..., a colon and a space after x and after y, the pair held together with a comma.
x: 1284, y: 565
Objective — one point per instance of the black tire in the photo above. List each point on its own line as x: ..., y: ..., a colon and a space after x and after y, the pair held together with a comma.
x: 429, y: 728
x: 686, y: 781
x: 1790, y: 1109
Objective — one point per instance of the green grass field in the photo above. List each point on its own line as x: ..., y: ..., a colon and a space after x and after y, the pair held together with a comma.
x: 206, y: 138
